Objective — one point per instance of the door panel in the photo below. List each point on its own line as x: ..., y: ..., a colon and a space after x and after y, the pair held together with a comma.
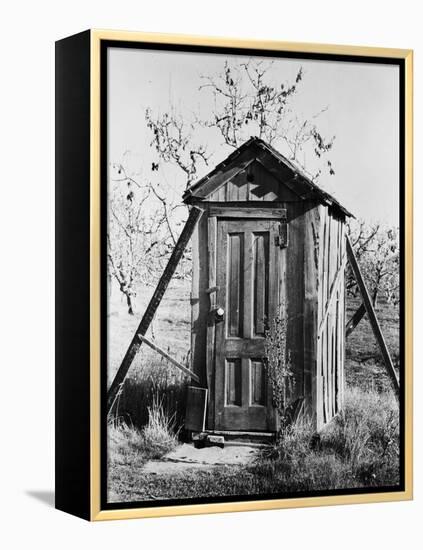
x: 233, y: 382
x: 235, y: 274
x: 258, y: 382
x: 247, y: 282
x: 260, y: 282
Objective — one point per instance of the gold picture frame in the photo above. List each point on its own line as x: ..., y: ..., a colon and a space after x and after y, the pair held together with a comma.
x: 87, y: 503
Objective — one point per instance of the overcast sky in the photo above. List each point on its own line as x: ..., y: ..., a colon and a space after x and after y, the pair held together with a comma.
x: 363, y: 114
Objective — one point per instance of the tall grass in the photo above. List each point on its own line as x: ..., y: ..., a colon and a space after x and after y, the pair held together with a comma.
x: 366, y: 435
x: 127, y: 443
x: 129, y: 448
x: 156, y: 382
x: 160, y: 434
x: 360, y: 447
x: 157, y: 437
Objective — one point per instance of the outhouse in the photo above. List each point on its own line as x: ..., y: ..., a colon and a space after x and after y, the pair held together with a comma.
x: 270, y: 243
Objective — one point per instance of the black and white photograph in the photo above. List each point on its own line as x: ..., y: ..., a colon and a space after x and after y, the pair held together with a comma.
x: 210, y: 288
x: 252, y: 274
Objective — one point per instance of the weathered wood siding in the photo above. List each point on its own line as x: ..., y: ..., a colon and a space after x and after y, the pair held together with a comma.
x: 330, y: 352
x: 292, y: 295
x: 199, y: 300
x: 253, y: 182
x: 312, y: 244
x: 310, y: 290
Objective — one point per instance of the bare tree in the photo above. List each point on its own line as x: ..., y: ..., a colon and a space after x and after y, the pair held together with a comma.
x: 139, y: 239
x: 174, y: 142
x: 362, y: 236
x: 248, y: 101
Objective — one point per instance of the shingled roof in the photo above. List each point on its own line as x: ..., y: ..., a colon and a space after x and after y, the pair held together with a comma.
x: 290, y: 176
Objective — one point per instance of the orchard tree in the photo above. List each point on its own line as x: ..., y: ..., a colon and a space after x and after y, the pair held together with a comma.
x: 377, y: 250
x: 174, y: 143
x: 141, y: 233
x: 247, y: 99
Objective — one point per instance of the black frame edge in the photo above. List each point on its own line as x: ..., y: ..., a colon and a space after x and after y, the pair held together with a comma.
x: 72, y: 225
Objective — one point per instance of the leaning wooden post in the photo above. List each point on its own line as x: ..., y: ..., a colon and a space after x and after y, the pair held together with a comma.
x: 355, y: 319
x: 372, y: 317
x: 162, y: 285
x: 171, y: 360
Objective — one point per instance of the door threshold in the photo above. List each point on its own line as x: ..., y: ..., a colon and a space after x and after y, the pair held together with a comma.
x: 246, y: 437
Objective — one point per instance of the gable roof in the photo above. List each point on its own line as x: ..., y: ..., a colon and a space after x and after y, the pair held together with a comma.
x: 283, y: 169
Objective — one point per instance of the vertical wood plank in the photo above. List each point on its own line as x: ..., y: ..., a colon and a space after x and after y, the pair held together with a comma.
x: 242, y: 190
x: 260, y: 281
x: 344, y: 306
x: 211, y: 327
x: 329, y: 368
x: 199, y: 301
x: 312, y: 245
x: 221, y: 193
x: 235, y: 278
x: 334, y: 366
x: 326, y: 371
x: 338, y: 353
x: 233, y: 382
x: 328, y: 257
x: 257, y: 382
x: 276, y: 303
x: 325, y: 261
x: 334, y: 249
x: 295, y: 295
x: 318, y: 386
x: 342, y: 329
x: 231, y: 191
x: 247, y: 296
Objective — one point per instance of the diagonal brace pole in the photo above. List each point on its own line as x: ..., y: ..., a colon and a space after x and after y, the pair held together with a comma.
x: 134, y: 346
x: 164, y: 354
x: 372, y: 317
x: 355, y: 320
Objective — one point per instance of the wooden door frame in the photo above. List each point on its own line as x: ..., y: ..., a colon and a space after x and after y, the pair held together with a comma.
x: 276, y: 211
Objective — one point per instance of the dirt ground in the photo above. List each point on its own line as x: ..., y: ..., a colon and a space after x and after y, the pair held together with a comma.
x: 187, y: 457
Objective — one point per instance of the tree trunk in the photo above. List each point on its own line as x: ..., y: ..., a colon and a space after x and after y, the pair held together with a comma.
x: 129, y: 304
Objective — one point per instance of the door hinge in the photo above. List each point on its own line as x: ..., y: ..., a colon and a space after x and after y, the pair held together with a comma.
x: 281, y: 239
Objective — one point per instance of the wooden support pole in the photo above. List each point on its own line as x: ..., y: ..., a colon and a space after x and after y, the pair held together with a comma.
x: 372, y: 317
x: 355, y: 320
x: 358, y: 316
x: 169, y: 358
x: 134, y: 346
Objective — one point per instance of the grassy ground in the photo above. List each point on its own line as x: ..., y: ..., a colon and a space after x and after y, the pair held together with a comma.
x: 364, y: 365
x: 150, y: 375
x: 360, y: 448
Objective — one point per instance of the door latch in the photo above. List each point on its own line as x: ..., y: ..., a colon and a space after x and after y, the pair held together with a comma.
x: 219, y: 312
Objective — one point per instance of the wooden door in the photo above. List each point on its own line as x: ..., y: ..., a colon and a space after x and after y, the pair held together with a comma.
x: 247, y: 290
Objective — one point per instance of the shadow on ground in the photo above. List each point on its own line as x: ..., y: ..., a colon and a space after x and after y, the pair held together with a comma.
x: 46, y: 497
